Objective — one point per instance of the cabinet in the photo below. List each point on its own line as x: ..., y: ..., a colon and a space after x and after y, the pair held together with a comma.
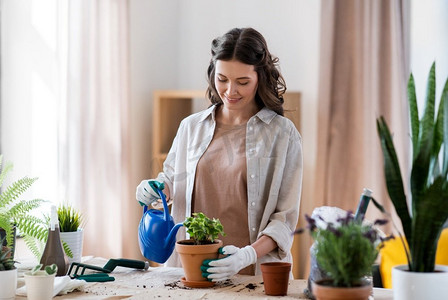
x: 170, y: 107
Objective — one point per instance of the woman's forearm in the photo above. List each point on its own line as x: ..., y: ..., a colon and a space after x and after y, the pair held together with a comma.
x: 264, y: 245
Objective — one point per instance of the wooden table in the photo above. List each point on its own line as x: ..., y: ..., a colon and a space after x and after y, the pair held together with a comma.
x: 164, y: 283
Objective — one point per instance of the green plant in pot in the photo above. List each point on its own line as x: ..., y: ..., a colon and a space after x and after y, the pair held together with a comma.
x: 71, y: 221
x: 8, y: 273
x: 40, y: 282
x: 423, y: 220
x: 17, y: 214
x: 345, y: 251
x: 203, y: 244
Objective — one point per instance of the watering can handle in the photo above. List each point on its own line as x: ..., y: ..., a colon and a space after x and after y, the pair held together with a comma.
x: 165, y: 205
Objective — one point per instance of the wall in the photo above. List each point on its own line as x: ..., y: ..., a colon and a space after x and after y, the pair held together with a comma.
x: 170, y: 46
x: 429, y: 43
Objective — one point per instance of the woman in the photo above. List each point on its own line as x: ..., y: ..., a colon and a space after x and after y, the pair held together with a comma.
x: 239, y: 161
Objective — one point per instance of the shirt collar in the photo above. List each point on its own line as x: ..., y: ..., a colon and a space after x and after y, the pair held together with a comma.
x: 209, y: 112
x: 265, y: 114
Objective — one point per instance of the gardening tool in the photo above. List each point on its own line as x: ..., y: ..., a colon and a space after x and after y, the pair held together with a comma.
x: 157, y: 232
x: 102, y: 276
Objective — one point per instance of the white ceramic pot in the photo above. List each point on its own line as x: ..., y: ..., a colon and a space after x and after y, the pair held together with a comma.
x: 8, y: 284
x: 39, y: 286
x: 74, y: 241
x: 417, y: 285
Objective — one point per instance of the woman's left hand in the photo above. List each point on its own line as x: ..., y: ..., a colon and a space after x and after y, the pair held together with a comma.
x: 224, y: 268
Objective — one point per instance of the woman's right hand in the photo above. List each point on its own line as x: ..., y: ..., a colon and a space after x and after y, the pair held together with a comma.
x: 146, y: 192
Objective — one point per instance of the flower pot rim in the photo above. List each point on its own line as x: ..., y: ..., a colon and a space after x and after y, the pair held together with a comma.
x: 217, y: 241
x: 437, y: 269
x: 40, y: 273
x: 320, y: 282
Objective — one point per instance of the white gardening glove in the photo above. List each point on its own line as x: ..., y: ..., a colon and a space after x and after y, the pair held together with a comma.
x: 146, y: 192
x: 224, y: 268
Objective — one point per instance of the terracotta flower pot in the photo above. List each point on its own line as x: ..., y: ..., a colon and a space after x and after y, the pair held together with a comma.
x: 192, y: 256
x: 327, y: 292
x: 276, y: 278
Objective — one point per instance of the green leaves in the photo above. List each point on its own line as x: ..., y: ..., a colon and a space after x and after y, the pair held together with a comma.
x: 17, y: 212
x: 202, y: 229
x: 428, y: 178
x: 347, y: 252
x: 69, y: 218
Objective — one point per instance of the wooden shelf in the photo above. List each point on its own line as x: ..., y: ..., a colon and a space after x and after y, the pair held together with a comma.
x: 172, y: 106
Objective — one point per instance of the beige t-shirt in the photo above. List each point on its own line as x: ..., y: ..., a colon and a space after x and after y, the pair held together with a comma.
x: 220, y: 189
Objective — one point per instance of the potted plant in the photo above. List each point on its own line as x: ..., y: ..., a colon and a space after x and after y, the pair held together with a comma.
x: 203, y: 244
x: 423, y: 221
x: 40, y: 282
x: 71, y: 232
x: 16, y: 214
x: 345, y: 252
x: 8, y: 273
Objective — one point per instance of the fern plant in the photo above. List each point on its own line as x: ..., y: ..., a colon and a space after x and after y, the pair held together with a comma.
x: 16, y: 213
x: 423, y: 221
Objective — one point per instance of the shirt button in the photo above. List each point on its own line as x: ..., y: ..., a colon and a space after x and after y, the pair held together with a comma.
x: 253, y: 228
x: 253, y: 203
x: 252, y: 176
x: 251, y: 128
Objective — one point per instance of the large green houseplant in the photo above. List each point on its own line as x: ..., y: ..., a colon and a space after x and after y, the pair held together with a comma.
x: 423, y: 221
x: 16, y: 213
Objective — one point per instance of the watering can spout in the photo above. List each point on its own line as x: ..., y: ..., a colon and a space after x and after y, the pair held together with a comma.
x: 171, y: 238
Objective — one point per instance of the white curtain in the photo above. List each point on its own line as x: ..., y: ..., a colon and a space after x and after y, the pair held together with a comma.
x: 94, y: 147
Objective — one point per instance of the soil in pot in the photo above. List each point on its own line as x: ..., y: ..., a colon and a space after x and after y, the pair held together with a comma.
x: 276, y: 278
x: 322, y: 290
x: 191, y: 258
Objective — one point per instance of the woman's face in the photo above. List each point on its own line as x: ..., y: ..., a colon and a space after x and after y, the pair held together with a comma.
x: 236, y: 84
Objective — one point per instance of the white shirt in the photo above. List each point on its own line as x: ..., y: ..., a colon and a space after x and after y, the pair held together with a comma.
x: 274, y: 175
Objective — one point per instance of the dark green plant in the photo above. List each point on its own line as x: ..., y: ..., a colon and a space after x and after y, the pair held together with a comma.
x: 69, y: 218
x: 17, y: 213
x: 202, y: 229
x: 423, y: 221
x: 347, y: 251
x: 6, y: 261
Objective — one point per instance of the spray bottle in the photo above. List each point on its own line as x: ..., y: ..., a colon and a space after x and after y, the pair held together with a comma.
x: 54, y: 252
x: 362, y: 205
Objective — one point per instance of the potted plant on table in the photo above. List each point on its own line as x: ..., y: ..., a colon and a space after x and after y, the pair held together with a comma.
x: 8, y: 273
x: 16, y: 214
x: 345, y: 252
x: 203, y: 244
x: 71, y: 231
x: 423, y: 220
x: 40, y: 282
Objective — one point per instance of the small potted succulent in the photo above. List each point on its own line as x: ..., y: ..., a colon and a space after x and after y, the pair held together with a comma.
x: 203, y: 244
x: 71, y: 231
x: 40, y: 282
x: 345, y: 251
x: 8, y: 273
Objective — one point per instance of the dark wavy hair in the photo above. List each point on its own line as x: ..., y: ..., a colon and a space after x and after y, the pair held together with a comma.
x: 249, y: 47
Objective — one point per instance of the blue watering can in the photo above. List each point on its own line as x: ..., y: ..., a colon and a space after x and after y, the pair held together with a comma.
x: 157, y: 233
